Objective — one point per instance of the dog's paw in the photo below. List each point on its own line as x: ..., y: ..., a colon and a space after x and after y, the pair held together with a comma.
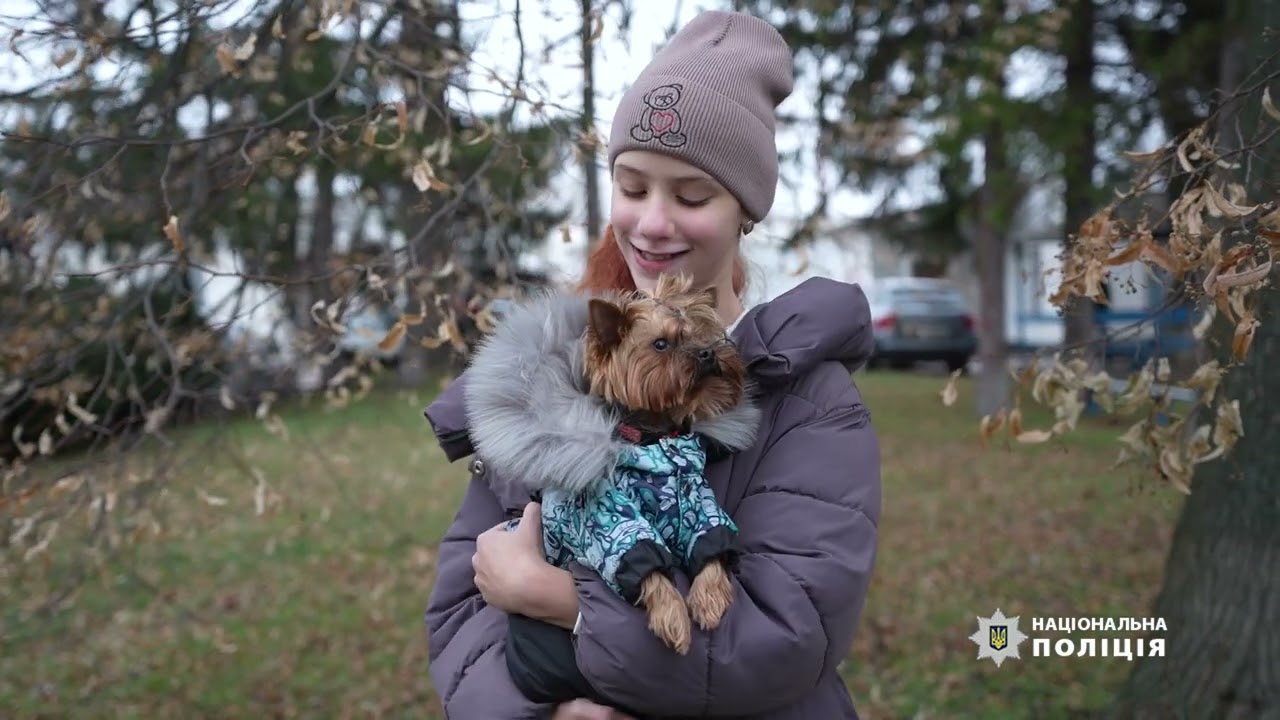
x: 710, y: 596
x: 674, y: 630
x: 668, y: 616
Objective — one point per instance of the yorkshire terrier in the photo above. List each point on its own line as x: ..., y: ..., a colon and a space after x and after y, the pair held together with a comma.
x: 662, y: 360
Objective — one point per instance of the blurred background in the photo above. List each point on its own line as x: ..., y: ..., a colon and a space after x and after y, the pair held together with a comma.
x: 243, y: 244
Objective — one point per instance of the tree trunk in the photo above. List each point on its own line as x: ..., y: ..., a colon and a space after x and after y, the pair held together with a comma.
x: 989, y: 246
x: 1221, y: 592
x: 1080, y: 330
x: 589, y: 154
x: 441, y: 22
x: 319, y: 243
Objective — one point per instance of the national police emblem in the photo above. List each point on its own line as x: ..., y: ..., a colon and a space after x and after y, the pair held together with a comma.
x: 997, y: 637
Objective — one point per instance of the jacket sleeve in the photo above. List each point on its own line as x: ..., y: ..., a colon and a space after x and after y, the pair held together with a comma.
x: 808, y: 542
x: 466, y: 638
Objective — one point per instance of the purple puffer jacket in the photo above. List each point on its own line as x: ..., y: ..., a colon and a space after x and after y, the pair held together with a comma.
x: 805, y: 496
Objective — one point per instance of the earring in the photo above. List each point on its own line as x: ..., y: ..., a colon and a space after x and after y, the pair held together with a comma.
x: 747, y: 227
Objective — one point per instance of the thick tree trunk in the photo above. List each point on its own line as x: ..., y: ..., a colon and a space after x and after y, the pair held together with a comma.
x: 1221, y: 592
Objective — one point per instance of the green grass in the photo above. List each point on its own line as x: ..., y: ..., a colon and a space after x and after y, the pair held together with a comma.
x: 1048, y: 530
x: 314, y: 607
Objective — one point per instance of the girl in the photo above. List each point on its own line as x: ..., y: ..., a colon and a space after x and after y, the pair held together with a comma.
x: 694, y: 165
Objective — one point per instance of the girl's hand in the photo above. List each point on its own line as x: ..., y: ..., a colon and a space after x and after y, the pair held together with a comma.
x: 586, y: 710
x: 513, y: 574
x: 506, y: 562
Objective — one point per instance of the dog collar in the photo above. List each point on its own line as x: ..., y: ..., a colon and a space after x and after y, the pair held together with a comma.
x: 636, y: 436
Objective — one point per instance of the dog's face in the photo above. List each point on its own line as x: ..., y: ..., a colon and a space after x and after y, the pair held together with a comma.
x: 663, y: 353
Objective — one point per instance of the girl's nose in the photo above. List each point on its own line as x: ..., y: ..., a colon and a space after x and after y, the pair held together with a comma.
x: 655, y: 222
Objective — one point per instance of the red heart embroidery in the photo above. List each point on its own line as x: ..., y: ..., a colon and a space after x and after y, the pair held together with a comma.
x: 663, y: 120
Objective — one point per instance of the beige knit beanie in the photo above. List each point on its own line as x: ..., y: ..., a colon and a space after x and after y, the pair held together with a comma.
x: 708, y: 98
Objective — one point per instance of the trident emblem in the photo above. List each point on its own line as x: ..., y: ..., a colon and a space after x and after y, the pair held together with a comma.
x: 999, y: 637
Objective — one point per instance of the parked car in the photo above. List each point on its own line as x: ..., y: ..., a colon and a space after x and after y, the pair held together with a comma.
x: 921, y: 319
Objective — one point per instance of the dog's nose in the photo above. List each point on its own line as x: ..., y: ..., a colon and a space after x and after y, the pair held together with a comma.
x: 707, y: 363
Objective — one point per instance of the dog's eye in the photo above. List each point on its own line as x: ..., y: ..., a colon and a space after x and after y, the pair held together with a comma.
x: 660, y: 344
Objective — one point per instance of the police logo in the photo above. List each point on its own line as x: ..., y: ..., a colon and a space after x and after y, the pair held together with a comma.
x: 997, y: 637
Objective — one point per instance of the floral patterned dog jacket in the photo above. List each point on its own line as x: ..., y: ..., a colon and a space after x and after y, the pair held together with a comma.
x: 654, y: 512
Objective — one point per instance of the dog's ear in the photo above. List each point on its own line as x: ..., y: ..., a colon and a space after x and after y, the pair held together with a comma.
x: 711, y: 295
x: 608, y: 322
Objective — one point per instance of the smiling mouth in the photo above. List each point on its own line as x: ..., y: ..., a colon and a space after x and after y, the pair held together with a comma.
x: 658, y: 257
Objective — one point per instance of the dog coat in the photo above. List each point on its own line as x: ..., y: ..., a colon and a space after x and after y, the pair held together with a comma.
x: 654, y: 512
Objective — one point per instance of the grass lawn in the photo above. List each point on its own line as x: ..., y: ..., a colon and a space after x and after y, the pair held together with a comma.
x: 313, y: 607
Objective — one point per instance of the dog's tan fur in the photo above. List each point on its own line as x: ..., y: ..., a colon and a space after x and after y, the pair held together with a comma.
x: 647, y: 352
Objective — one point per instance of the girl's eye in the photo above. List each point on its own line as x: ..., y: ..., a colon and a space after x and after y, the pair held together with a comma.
x: 693, y: 203
x: 632, y: 193
x: 660, y: 344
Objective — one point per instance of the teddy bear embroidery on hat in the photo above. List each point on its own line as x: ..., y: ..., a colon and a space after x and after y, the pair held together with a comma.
x: 660, y: 119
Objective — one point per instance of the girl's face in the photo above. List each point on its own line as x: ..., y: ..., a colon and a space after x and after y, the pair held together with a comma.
x: 668, y: 216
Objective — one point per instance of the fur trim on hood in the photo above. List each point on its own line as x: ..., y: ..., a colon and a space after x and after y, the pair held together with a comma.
x: 530, y: 414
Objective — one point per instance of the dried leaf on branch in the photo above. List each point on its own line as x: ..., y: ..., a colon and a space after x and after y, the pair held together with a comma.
x: 1213, y: 254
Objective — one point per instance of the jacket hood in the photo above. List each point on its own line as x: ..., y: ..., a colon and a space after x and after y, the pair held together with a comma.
x: 820, y: 320
x: 529, y: 412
